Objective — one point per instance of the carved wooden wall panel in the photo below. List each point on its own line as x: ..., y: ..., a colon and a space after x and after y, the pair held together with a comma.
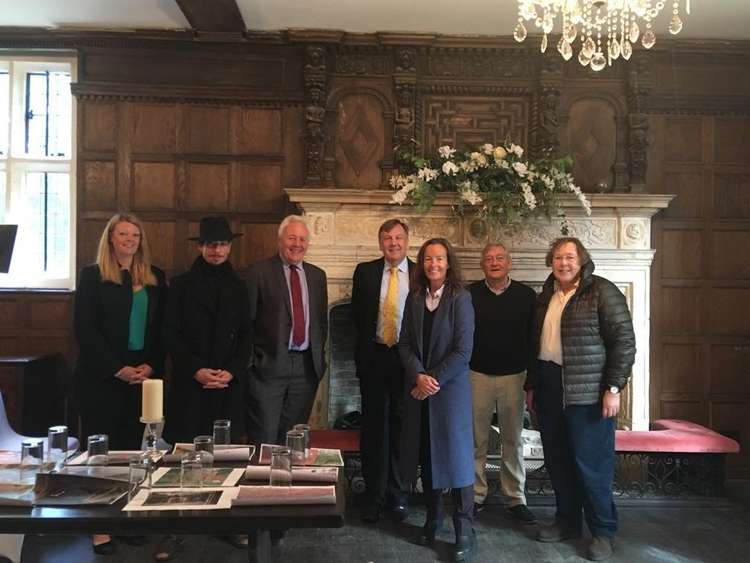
x: 153, y: 186
x: 728, y: 261
x: 684, y: 140
x: 683, y: 254
x: 360, y: 141
x: 681, y: 364
x: 207, y: 130
x: 260, y: 189
x: 98, y: 189
x: 732, y: 195
x: 154, y: 128
x: 207, y: 187
x: 592, y: 141
x: 99, y: 126
x: 257, y: 131
x: 687, y: 185
x: 468, y: 121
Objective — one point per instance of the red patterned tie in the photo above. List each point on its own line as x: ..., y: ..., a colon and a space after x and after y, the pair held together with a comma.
x: 298, y: 308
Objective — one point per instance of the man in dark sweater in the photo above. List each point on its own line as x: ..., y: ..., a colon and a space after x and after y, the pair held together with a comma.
x: 504, y: 310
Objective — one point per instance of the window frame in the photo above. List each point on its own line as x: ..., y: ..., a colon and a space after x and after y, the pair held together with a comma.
x: 15, y: 165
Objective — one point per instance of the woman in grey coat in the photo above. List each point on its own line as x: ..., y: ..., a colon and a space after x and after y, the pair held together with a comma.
x: 437, y: 335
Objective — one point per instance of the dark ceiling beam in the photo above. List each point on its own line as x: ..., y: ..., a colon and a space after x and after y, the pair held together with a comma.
x: 213, y: 15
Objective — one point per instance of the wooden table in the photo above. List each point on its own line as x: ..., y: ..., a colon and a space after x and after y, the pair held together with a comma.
x: 256, y: 520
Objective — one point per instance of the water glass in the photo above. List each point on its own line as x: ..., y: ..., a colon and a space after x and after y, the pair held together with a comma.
x: 191, y: 472
x: 205, y: 446
x: 305, y: 429
x: 140, y: 469
x: 222, y: 432
x: 57, y: 445
x: 98, y: 449
x: 281, y: 467
x: 32, y: 457
x: 295, y: 441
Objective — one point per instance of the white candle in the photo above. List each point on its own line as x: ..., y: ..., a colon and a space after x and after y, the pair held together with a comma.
x: 152, y: 406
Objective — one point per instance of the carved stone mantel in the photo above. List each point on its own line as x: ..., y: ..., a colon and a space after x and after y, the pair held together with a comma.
x: 344, y: 224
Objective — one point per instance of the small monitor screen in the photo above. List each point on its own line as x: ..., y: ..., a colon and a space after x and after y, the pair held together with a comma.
x: 7, y: 240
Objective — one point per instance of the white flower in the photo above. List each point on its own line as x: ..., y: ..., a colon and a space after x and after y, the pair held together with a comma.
x: 528, y: 196
x: 585, y: 203
x: 479, y: 159
x: 446, y: 151
x: 487, y: 148
x: 515, y: 149
x: 399, y: 197
x: 467, y: 165
x: 427, y: 174
x: 548, y: 182
x: 520, y: 168
x: 499, y: 153
x: 450, y: 168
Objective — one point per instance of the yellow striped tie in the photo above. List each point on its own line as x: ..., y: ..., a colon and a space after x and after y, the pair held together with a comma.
x: 390, y: 309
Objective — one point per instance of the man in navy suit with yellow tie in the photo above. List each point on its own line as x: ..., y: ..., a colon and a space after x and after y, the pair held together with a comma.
x: 379, y: 293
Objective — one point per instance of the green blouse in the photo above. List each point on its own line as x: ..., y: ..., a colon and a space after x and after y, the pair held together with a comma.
x: 138, y: 313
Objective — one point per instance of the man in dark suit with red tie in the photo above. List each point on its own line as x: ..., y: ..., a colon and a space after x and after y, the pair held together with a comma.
x: 379, y: 292
x: 289, y: 312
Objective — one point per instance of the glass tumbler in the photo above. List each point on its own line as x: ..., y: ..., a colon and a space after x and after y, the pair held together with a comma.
x: 98, y: 449
x: 295, y: 441
x: 32, y: 457
x: 191, y: 470
x: 57, y: 445
x: 205, y: 446
x: 281, y: 467
x: 222, y: 435
x: 139, y: 473
x: 305, y: 429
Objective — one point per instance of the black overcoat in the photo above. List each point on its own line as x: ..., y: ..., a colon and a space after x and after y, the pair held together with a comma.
x: 207, y: 325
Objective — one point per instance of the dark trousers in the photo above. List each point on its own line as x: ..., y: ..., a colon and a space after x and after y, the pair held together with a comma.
x: 381, y: 387
x: 579, y: 453
x: 463, y: 497
x: 277, y: 403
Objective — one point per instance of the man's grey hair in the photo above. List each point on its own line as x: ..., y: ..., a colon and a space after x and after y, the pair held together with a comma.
x: 292, y: 219
x: 498, y: 244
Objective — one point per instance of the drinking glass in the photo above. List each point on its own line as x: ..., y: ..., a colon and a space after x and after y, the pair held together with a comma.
x: 32, y: 457
x: 295, y: 441
x: 305, y: 429
x: 139, y: 473
x: 98, y: 449
x: 205, y: 446
x: 57, y: 445
x: 191, y: 473
x: 281, y: 467
x: 222, y: 432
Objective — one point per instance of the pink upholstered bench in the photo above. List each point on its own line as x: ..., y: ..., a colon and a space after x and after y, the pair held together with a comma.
x: 675, y: 436
x: 345, y: 440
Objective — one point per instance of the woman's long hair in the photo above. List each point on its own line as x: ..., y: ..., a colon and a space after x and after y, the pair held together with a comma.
x: 453, y: 277
x: 110, y: 269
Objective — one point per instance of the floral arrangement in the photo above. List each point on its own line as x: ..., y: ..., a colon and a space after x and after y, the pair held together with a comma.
x: 496, y: 181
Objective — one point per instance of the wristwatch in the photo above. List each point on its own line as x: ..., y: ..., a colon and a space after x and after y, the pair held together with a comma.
x: 614, y: 389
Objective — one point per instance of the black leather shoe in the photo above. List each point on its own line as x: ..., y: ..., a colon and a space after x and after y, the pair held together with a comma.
x: 399, y: 512
x: 372, y: 514
x: 428, y: 533
x: 465, y: 548
x: 106, y: 548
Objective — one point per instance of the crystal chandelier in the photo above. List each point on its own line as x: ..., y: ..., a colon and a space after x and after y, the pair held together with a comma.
x: 607, y: 29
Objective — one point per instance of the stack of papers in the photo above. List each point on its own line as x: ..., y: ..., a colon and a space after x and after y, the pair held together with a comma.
x: 304, y: 474
x: 263, y: 496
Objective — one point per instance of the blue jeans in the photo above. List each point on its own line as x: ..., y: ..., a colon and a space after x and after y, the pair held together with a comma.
x: 579, y: 453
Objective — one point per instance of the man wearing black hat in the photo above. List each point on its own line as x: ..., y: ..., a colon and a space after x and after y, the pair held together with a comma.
x: 208, y: 334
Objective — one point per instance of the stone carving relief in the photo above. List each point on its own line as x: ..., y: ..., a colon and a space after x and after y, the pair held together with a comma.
x: 471, y: 121
x: 635, y: 233
x: 406, y: 60
x: 403, y: 130
x: 592, y: 141
x: 321, y: 227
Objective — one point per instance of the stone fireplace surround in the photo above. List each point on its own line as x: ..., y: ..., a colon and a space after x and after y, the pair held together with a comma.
x: 344, y: 224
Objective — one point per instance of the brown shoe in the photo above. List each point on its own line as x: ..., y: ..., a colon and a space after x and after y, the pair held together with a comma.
x: 553, y: 533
